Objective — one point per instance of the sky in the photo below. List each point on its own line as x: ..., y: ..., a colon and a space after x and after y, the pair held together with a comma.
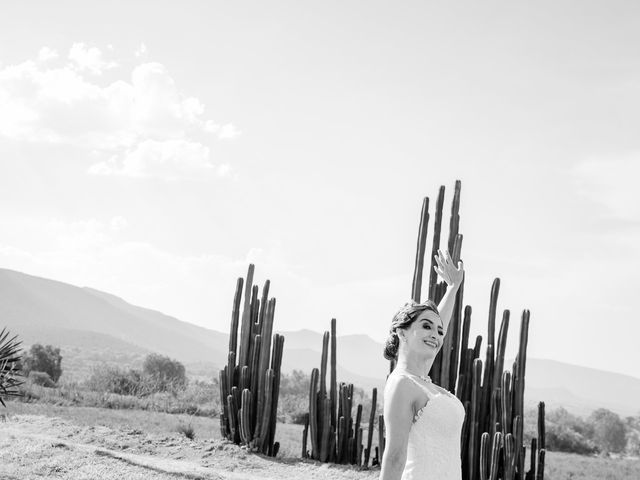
x: 153, y: 151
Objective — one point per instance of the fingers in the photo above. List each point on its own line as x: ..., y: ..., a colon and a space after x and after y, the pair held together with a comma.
x: 440, y: 258
x: 442, y: 274
x: 444, y: 258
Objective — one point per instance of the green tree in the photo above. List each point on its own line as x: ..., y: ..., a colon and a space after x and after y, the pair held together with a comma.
x: 164, y: 373
x: 609, y: 430
x: 43, y: 359
x: 568, y: 433
x: 633, y: 436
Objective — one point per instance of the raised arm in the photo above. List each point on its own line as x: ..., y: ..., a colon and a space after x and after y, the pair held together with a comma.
x: 453, y: 276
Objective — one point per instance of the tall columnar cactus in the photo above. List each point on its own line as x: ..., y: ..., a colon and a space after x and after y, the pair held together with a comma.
x: 333, y: 433
x: 250, y: 382
x: 493, y: 396
x: 416, y: 288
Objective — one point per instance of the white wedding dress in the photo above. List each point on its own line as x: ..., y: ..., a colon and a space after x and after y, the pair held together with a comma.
x: 433, y: 451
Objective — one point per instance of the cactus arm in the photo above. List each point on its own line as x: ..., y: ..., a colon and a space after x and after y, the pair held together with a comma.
x: 540, y: 469
x: 372, y: 418
x: 245, y: 330
x: 313, y: 413
x: 305, y: 434
x: 484, y: 456
x: 416, y: 286
x: 433, y: 276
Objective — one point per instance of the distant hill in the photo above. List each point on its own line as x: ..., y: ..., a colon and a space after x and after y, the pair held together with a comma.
x: 579, y: 389
x: 47, y: 310
x: 92, y: 327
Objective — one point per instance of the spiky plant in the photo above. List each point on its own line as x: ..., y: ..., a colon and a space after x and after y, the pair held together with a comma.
x: 9, y: 366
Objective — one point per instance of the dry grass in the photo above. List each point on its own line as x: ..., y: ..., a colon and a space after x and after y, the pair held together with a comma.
x: 197, y: 399
x: 560, y: 466
x: 570, y: 466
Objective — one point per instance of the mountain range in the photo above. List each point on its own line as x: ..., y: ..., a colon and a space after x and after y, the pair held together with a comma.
x: 92, y: 327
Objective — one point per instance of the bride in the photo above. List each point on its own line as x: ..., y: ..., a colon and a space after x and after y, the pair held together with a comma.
x: 423, y: 421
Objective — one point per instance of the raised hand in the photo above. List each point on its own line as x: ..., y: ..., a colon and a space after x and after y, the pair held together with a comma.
x: 451, y: 274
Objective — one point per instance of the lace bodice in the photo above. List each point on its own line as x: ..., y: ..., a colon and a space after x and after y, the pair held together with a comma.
x: 433, y: 451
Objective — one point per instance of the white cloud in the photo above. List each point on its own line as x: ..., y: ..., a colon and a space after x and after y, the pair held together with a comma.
x: 141, y: 123
x: 223, y: 132
x: 45, y: 54
x: 141, y: 50
x: 612, y: 183
x: 224, y: 170
x: 118, y: 223
x: 168, y: 160
x: 228, y: 131
x: 89, y: 59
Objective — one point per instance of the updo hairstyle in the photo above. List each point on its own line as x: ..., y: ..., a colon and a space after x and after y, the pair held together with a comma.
x: 403, y: 319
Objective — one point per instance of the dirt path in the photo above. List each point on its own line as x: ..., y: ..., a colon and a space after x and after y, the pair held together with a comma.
x: 37, y: 447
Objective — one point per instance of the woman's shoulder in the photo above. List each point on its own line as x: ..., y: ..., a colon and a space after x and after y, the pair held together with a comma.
x: 400, y: 381
x: 403, y: 389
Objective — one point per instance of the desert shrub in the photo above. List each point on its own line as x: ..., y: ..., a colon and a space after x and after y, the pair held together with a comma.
x: 609, y: 430
x: 42, y: 379
x: 187, y: 430
x: 43, y: 359
x: 633, y: 436
x: 562, y: 438
x: 299, y: 417
x: 109, y: 379
x: 10, y: 366
x: 602, y: 431
x: 291, y: 408
x: 294, y: 383
x: 163, y: 373
x: 561, y: 416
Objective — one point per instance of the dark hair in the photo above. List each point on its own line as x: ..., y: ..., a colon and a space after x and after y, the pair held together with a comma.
x: 403, y: 319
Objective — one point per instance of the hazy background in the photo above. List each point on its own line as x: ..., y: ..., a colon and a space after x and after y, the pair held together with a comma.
x: 152, y: 150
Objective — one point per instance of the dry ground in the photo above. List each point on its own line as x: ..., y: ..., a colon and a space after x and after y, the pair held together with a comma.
x: 83, y: 443
x: 39, y: 446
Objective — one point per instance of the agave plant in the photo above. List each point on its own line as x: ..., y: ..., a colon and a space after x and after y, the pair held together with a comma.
x: 9, y: 366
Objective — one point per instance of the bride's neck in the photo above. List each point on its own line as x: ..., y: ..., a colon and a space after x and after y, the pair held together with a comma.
x: 414, y: 365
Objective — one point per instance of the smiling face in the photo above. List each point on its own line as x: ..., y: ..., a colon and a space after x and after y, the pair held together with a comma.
x: 426, y: 334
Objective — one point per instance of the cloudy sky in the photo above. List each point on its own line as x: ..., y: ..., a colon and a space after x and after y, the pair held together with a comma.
x: 154, y: 151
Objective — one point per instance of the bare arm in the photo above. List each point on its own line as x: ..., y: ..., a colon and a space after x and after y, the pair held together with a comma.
x: 398, y: 415
x: 453, y: 276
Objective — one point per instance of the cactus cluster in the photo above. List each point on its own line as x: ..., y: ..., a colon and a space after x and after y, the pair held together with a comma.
x: 250, y: 382
x: 492, y: 433
x: 329, y: 425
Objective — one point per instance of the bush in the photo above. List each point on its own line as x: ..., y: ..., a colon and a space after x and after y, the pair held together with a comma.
x: 42, y: 379
x: 164, y: 373
x: 10, y: 366
x: 608, y: 430
x: 43, y: 359
x: 561, y: 438
x: 108, y: 379
x: 187, y: 430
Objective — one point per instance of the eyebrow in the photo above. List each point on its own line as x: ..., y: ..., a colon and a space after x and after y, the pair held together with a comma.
x: 430, y: 322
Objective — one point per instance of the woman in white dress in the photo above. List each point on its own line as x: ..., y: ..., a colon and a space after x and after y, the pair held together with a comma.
x: 423, y: 421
